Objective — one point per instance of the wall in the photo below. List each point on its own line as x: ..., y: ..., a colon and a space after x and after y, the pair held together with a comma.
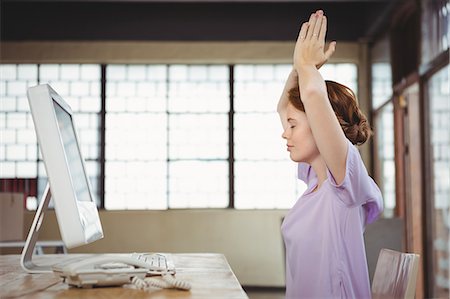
x: 251, y: 240
x: 160, y: 52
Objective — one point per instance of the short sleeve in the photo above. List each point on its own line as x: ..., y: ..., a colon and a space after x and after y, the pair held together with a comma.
x: 358, y: 188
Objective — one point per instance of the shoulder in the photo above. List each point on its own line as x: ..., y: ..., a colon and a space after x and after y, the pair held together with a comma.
x: 358, y: 187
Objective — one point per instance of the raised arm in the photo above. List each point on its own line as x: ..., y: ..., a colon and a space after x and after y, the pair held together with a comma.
x: 291, y: 82
x: 328, y: 134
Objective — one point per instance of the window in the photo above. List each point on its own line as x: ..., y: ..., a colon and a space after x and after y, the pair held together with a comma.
x: 384, y: 133
x: 18, y: 147
x: 136, y: 137
x: 439, y: 122
x: 167, y: 136
x: 344, y: 73
x: 18, y: 150
x: 264, y: 175
x: 167, y: 132
x: 381, y: 83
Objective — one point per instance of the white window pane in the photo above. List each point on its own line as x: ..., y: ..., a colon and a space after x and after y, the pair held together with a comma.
x: 188, y: 93
x: 70, y: 72
x: 258, y: 88
x: 2, y: 120
x: 198, y: 73
x: 115, y: 104
x: 257, y: 96
x: 258, y: 137
x: 178, y: 72
x: 8, y: 136
x: 8, y: 170
x: 16, y: 88
x: 266, y: 185
x: 8, y: 72
x: 381, y: 83
x: 137, y: 73
x: 27, y: 136
x: 218, y: 73
x: 16, y: 152
x: 133, y: 92
x: 8, y: 104
x: 89, y: 104
x: 49, y: 72
x: 135, y: 185
x: 385, y: 142
x: 116, y: 72
x: 27, y: 72
x: 244, y: 72
x: 90, y: 72
x: 2, y: 152
x: 157, y: 72
x: 26, y: 170
x: 264, y: 72
x: 32, y: 152
x: 136, y: 137
x: 79, y: 88
x: 126, y: 89
x: 196, y: 184
x: 344, y: 73
x: 22, y: 104
x: 198, y: 136
x: 197, y: 97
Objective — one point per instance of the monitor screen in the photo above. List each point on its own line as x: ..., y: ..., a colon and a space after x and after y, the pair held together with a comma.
x: 73, y: 156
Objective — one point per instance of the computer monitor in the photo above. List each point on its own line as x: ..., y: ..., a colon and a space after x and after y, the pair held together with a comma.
x: 75, y: 205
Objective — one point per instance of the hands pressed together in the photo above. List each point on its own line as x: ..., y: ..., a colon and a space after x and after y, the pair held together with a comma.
x: 310, y: 45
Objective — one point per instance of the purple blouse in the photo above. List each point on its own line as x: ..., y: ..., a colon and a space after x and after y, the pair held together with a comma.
x: 323, y: 233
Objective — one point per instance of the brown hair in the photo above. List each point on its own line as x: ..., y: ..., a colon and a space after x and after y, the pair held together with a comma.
x: 343, y: 101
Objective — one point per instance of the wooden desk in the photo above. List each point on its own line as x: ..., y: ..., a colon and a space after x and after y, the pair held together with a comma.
x: 209, y: 274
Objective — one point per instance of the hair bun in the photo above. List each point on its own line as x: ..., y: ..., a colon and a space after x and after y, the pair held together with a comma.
x: 360, y: 132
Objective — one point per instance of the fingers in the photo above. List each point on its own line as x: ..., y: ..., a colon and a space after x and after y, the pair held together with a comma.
x: 312, y: 23
x: 318, y: 25
x: 303, y: 31
x: 330, y: 50
x: 316, y: 29
x: 323, y: 29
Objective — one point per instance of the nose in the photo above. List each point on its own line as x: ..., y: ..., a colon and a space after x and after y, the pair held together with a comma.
x: 284, y: 134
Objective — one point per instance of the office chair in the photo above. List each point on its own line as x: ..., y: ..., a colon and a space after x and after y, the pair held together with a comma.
x: 395, y: 275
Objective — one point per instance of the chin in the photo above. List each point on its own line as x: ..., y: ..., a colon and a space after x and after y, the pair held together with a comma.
x: 296, y: 158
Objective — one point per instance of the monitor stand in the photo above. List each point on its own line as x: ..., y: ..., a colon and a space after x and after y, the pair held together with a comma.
x: 27, y: 254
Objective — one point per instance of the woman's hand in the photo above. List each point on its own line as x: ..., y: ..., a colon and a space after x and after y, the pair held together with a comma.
x: 310, y: 45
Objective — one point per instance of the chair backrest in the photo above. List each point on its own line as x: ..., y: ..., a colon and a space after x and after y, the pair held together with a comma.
x: 395, y: 275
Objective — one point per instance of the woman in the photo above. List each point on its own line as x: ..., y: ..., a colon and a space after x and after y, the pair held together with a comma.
x: 323, y: 232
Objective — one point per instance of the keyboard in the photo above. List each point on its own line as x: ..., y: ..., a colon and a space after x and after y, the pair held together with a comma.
x: 159, y: 263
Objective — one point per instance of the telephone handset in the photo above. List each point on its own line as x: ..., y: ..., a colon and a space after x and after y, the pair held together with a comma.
x: 114, y: 269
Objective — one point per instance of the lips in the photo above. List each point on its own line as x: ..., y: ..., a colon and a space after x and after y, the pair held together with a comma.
x: 289, y: 147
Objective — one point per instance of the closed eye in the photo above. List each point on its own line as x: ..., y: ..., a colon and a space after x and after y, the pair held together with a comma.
x: 292, y: 122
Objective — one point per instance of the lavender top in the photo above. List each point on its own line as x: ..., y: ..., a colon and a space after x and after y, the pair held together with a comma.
x: 323, y: 233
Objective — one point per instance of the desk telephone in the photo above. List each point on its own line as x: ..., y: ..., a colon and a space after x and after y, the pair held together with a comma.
x: 120, y: 269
